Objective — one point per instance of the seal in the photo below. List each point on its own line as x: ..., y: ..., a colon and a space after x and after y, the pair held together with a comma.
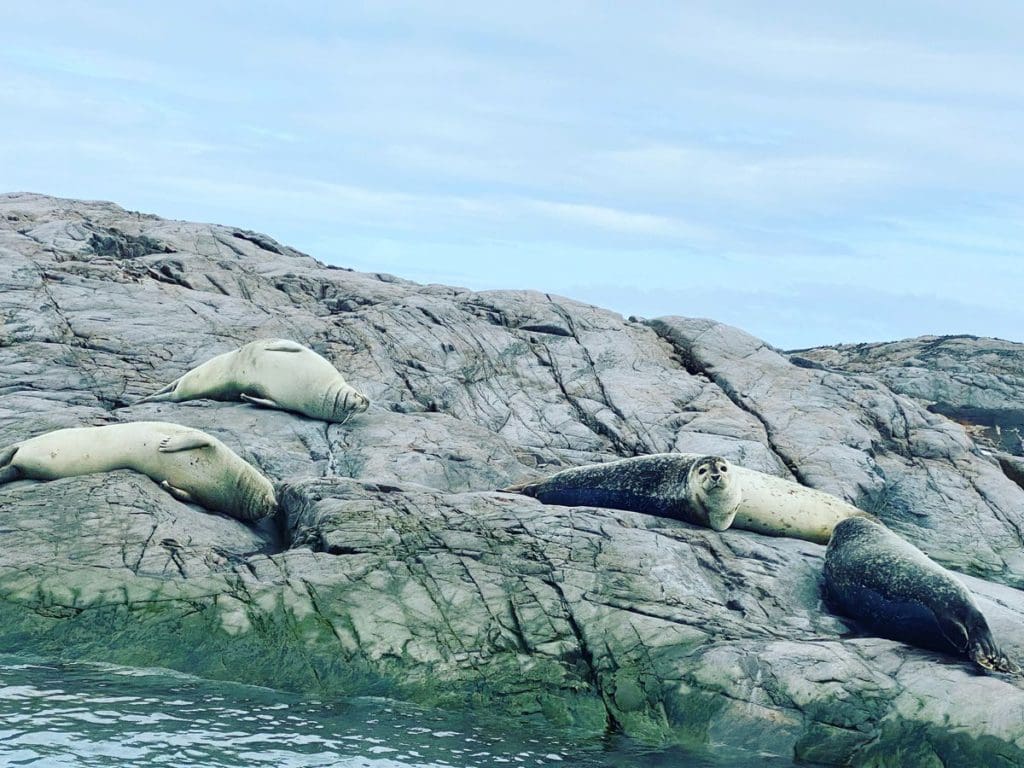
x: 894, y: 589
x: 190, y: 465
x: 692, y: 487
x: 275, y: 373
x: 706, y: 490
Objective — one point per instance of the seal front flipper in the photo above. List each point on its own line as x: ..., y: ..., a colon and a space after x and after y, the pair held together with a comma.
x: 178, y: 493
x: 954, y: 632
x: 283, y: 345
x: 266, y: 402
x: 983, y: 650
x: 184, y: 442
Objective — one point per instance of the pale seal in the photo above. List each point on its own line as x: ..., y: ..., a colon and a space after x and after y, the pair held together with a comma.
x: 190, y: 465
x: 686, y: 486
x: 896, y: 590
x: 275, y: 373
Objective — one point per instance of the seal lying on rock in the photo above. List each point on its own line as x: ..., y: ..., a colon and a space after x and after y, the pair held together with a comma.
x: 706, y: 490
x: 190, y: 465
x: 275, y: 373
x: 896, y: 590
x: 775, y: 506
x: 686, y: 486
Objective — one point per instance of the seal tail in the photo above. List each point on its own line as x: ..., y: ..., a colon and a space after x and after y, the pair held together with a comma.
x: 160, y: 395
x: 8, y: 472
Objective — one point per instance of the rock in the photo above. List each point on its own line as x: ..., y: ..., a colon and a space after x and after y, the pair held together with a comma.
x: 977, y: 382
x: 852, y: 436
x: 394, y: 568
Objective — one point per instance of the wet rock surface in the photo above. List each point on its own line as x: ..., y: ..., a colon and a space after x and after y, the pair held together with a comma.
x: 395, y: 568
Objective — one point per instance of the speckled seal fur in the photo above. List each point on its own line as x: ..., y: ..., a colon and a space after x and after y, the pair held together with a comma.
x: 686, y: 486
x: 894, y: 589
x: 775, y: 506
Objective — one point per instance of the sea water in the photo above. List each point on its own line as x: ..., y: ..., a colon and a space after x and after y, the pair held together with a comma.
x: 99, y: 715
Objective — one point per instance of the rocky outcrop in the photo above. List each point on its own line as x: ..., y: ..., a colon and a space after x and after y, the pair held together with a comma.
x: 395, y: 568
x: 976, y: 382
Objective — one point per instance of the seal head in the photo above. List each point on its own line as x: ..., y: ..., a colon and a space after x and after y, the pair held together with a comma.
x: 714, y: 490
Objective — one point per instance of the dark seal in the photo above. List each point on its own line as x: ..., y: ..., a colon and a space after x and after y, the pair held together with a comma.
x: 897, y: 591
x: 686, y: 486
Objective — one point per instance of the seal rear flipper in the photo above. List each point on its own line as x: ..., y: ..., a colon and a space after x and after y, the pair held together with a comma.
x: 984, y: 652
x: 184, y: 442
x: 283, y: 345
x: 527, y: 488
x: 265, y: 402
x: 8, y: 473
x: 161, y: 394
x: 7, y: 455
x: 993, y: 659
x: 178, y: 493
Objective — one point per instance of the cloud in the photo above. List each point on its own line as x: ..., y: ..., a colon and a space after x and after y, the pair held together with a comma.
x: 798, y: 44
x: 717, y: 149
x: 616, y: 220
x: 782, y: 179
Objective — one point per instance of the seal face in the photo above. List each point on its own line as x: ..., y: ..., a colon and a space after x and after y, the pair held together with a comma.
x: 275, y: 373
x: 692, y: 487
x: 189, y: 464
x: 896, y: 590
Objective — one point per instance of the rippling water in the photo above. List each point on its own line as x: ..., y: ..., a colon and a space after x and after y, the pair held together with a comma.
x: 98, y: 715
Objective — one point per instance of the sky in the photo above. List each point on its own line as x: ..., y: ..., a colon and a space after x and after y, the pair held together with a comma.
x: 812, y: 172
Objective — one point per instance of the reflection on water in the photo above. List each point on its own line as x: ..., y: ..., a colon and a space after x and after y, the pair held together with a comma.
x: 98, y: 715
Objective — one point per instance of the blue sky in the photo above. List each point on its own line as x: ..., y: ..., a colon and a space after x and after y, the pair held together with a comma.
x: 813, y: 172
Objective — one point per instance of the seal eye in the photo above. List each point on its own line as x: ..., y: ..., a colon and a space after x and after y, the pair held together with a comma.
x: 723, y: 468
x: 702, y: 471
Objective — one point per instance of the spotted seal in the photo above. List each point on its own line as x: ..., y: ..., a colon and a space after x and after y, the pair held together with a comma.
x: 693, y: 487
x: 701, y: 489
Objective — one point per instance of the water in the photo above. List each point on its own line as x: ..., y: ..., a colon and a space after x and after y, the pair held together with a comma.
x: 98, y: 715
